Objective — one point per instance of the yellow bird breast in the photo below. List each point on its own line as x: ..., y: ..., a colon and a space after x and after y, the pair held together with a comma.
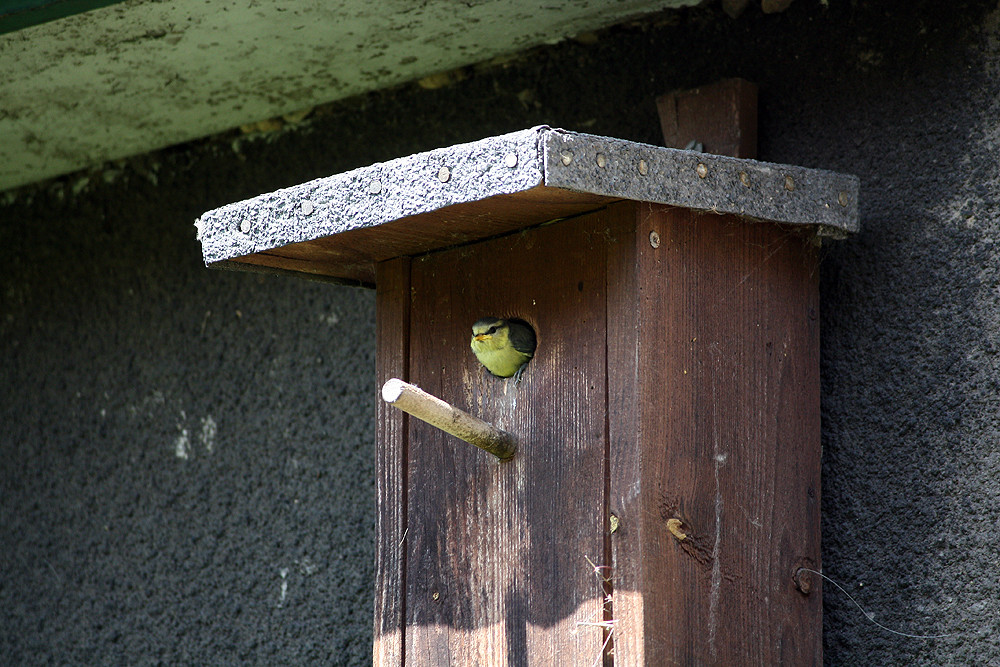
x: 496, y: 346
x: 504, y: 362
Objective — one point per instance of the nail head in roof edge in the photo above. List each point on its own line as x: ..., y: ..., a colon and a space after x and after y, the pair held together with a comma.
x: 476, y: 190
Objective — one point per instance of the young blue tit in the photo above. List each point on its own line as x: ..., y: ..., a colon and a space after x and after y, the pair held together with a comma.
x: 504, y: 346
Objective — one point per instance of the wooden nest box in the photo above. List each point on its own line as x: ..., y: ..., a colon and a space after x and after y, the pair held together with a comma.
x: 664, y: 497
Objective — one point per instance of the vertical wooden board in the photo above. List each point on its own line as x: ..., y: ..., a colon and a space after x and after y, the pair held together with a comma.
x: 741, y: 473
x: 391, y: 360
x: 635, y: 577
x: 496, y: 552
x: 726, y: 448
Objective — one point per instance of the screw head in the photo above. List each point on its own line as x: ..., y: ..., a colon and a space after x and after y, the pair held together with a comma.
x: 307, y: 207
x: 566, y: 158
x: 702, y: 170
x: 375, y: 187
x: 789, y: 183
x: 643, y: 167
x: 803, y: 581
x: 602, y: 161
x: 654, y: 239
x: 444, y: 174
x: 510, y: 160
x: 842, y: 198
x: 245, y: 226
x: 745, y: 178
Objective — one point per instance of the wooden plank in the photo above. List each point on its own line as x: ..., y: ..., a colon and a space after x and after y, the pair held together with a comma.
x: 353, y: 254
x: 715, y: 475
x: 391, y: 360
x: 497, y: 553
x: 721, y: 116
x: 635, y: 575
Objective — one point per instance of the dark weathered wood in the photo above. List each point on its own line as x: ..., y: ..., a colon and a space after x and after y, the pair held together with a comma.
x: 636, y: 572
x: 391, y: 360
x: 497, y: 570
x: 721, y: 116
x: 667, y: 427
x: 714, y: 427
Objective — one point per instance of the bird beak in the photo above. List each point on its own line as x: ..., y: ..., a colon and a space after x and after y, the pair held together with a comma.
x: 482, y: 336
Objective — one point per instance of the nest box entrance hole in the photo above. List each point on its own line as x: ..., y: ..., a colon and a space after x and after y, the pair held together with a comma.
x: 673, y: 395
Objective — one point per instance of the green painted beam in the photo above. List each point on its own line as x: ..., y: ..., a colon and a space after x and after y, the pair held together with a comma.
x: 20, y: 14
x: 132, y: 77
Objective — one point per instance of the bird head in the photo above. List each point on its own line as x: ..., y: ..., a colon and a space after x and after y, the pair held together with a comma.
x: 490, y: 333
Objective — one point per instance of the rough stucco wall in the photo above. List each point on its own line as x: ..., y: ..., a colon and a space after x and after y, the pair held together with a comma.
x: 911, y: 373
x: 186, y: 467
x: 120, y: 355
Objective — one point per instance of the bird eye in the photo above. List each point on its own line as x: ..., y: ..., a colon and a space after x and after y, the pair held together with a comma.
x: 491, y: 330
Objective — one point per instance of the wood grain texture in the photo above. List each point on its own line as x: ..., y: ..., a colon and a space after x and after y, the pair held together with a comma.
x: 675, y: 387
x: 391, y: 360
x: 714, y: 426
x: 497, y: 571
x: 721, y: 116
x: 635, y: 574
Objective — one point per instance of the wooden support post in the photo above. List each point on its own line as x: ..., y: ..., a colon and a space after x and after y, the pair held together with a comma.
x: 392, y: 359
x: 722, y: 117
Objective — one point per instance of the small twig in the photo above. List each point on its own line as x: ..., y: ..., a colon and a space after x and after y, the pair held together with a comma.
x: 608, y: 625
x: 431, y: 409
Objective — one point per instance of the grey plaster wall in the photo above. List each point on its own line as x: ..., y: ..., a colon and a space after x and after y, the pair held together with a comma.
x: 186, y: 456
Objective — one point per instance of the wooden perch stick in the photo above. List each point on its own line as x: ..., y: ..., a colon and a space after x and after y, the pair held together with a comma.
x: 431, y: 409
